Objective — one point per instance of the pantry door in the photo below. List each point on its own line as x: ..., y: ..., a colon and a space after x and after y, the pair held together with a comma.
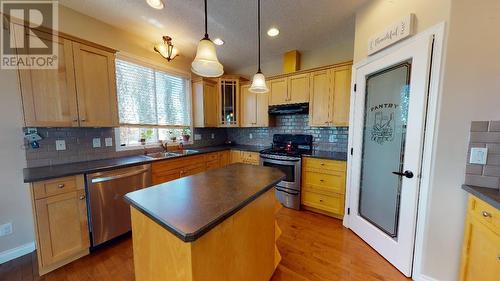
x: 388, y: 129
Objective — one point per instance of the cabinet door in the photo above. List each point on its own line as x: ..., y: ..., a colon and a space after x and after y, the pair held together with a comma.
x: 248, y: 107
x: 278, y: 91
x: 96, y: 86
x: 321, y: 97
x: 49, y: 95
x: 481, y: 250
x: 224, y: 158
x: 62, y: 226
x: 236, y: 156
x: 210, y: 105
x: 228, y: 103
x: 298, y: 88
x: 262, y: 110
x: 341, y: 79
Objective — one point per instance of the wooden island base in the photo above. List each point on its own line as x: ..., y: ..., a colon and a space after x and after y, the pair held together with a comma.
x: 242, y: 247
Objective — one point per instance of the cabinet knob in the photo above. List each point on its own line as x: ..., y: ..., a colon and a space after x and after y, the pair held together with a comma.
x: 322, y: 164
x: 320, y: 200
x: 498, y: 256
x: 486, y: 214
x: 82, y: 197
x: 75, y: 120
x: 61, y: 185
x: 321, y: 180
x: 83, y: 120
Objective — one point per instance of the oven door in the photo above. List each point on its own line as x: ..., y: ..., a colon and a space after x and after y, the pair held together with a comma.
x: 291, y: 168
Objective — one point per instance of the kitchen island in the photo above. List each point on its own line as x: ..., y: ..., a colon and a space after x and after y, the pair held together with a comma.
x: 217, y: 225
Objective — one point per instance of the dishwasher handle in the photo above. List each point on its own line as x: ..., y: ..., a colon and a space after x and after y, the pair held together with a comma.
x: 118, y: 176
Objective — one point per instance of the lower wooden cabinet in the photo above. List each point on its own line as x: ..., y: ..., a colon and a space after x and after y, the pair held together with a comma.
x: 323, y: 186
x: 247, y: 157
x: 61, y: 225
x: 481, y: 246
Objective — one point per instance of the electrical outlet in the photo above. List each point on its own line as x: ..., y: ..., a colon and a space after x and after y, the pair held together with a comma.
x: 250, y: 136
x: 6, y: 229
x: 213, y: 136
x: 108, y: 141
x: 60, y: 145
x: 30, y: 131
x: 331, y: 138
x: 478, y: 155
x: 197, y: 137
x: 96, y: 142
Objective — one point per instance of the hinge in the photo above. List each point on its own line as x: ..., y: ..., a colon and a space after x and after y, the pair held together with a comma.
x: 348, y: 211
x: 352, y: 150
x: 355, y: 86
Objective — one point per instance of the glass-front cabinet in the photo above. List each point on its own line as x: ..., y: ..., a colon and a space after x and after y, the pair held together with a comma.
x: 229, y: 115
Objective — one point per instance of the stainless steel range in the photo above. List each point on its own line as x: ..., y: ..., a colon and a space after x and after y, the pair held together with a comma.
x: 286, y: 155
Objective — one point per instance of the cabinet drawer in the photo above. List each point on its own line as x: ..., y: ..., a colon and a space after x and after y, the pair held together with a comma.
x: 485, y: 213
x: 330, y: 203
x: 211, y: 156
x: 193, y: 169
x: 171, y: 164
x: 46, y: 188
x: 328, y: 182
x: 164, y: 176
x: 322, y: 164
x: 214, y: 164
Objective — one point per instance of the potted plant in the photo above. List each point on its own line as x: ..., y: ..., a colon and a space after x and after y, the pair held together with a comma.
x: 173, y: 138
x: 186, y: 134
x: 145, y: 135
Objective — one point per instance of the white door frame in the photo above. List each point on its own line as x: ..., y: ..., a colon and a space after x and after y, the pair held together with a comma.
x: 427, y: 169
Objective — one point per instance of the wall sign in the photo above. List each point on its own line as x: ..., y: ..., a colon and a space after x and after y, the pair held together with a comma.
x: 394, y: 33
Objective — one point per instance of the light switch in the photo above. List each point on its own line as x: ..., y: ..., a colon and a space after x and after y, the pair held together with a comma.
x: 60, y: 145
x: 197, y: 137
x: 96, y: 142
x: 213, y: 136
x: 108, y: 141
x: 250, y: 136
x: 478, y: 155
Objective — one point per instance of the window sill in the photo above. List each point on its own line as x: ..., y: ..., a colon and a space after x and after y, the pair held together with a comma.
x: 173, y: 146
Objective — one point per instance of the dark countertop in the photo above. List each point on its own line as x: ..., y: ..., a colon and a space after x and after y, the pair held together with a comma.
x: 191, y: 206
x: 331, y: 155
x: 70, y: 169
x: 488, y: 195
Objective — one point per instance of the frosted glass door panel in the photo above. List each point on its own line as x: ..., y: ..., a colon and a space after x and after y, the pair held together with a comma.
x: 386, y: 114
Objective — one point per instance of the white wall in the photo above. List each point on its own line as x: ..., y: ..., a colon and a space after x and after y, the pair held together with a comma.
x: 15, y: 206
x: 470, y: 91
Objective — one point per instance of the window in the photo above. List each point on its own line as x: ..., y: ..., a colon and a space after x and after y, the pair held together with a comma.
x: 152, y: 105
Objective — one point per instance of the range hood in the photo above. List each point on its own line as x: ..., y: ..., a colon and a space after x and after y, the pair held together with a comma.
x: 298, y: 108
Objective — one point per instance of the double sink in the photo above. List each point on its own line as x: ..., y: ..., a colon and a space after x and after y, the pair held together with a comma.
x: 171, y: 154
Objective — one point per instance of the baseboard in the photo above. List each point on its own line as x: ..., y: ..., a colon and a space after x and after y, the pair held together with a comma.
x: 16, y: 252
x: 422, y: 277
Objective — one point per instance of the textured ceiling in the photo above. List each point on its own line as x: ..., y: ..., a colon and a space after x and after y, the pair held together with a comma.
x: 303, y: 24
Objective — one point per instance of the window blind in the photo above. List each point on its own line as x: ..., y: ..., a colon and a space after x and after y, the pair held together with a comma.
x: 149, y: 97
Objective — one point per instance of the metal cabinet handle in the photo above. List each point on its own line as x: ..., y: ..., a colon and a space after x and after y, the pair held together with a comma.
x: 61, y: 185
x: 82, y: 197
x: 486, y: 214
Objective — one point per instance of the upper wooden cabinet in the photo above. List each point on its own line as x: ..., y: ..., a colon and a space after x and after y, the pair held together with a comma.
x: 81, y: 92
x: 205, y: 113
x: 228, y: 101
x: 96, y: 86
x: 289, y: 90
x: 330, y: 97
x: 254, y: 108
x: 277, y: 91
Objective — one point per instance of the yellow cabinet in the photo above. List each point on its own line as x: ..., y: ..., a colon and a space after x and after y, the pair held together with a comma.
x: 277, y: 91
x: 481, y: 246
x: 61, y: 224
x: 254, y: 108
x: 298, y: 88
x: 246, y: 157
x: 323, y: 186
x: 330, y: 97
x: 80, y: 92
x: 205, y: 101
x: 96, y: 86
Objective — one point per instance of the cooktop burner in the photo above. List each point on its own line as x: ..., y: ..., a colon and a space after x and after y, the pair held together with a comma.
x: 290, y: 145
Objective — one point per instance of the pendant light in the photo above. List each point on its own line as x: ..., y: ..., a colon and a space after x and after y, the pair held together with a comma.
x: 258, y: 81
x: 206, y: 63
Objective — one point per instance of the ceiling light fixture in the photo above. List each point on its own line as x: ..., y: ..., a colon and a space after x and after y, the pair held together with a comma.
x: 205, y: 63
x: 166, y: 49
x: 273, y: 31
x: 218, y: 41
x: 156, y: 4
x: 259, y: 80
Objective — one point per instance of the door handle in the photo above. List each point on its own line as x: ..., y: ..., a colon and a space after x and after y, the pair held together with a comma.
x: 408, y: 174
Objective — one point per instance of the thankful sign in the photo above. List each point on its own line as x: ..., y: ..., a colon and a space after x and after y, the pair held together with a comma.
x: 394, y: 33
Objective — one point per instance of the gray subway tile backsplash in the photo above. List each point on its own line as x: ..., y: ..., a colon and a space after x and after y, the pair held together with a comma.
x: 484, y: 134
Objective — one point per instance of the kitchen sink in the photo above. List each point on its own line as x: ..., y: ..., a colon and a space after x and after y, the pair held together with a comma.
x: 185, y: 151
x: 171, y: 154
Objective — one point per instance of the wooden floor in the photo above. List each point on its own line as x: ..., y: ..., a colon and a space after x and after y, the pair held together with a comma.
x: 313, y: 247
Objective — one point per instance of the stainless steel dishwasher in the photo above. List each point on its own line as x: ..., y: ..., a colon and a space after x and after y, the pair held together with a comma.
x: 109, y: 213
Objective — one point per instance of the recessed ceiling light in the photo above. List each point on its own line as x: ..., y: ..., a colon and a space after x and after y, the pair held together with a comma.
x: 157, y: 4
x: 218, y: 41
x: 273, y: 31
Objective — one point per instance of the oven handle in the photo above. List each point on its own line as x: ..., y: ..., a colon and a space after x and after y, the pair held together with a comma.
x: 282, y: 190
x: 280, y: 162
